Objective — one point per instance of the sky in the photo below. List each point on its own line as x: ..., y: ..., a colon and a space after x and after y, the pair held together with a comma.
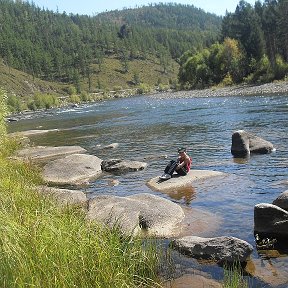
x: 92, y: 7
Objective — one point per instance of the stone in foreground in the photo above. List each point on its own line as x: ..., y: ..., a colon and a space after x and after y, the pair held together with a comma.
x: 122, y: 166
x: 221, y: 249
x: 282, y: 200
x: 29, y: 133
x: 42, y: 153
x: 137, y: 214
x: 65, y: 196
x: 270, y: 219
x: 244, y: 143
x: 181, y: 181
x: 74, y: 169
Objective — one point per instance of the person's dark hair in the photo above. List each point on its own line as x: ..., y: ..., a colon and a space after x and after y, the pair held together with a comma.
x: 181, y: 149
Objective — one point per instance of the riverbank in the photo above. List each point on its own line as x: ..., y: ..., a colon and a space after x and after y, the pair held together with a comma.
x: 274, y: 88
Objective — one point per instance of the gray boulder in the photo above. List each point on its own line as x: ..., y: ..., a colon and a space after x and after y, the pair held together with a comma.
x: 270, y: 219
x: 222, y: 249
x: 137, y: 214
x: 65, y: 197
x: 282, y: 200
x: 43, y: 153
x: 73, y: 169
x: 122, y: 166
x: 182, y: 181
x: 244, y: 143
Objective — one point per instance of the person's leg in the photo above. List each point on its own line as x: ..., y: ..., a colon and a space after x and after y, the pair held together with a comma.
x: 181, y: 171
x: 170, y: 168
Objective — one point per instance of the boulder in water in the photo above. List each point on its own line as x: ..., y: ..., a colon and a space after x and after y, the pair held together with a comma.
x: 244, y: 143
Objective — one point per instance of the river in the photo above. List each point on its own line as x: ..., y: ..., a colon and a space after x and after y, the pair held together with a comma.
x: 147, y: 127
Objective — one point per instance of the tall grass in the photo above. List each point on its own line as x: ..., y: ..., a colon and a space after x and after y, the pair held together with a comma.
x: 44, y: 245
x: 233, y: 276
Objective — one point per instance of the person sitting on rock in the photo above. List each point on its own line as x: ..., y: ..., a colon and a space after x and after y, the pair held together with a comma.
x: 181, y: 166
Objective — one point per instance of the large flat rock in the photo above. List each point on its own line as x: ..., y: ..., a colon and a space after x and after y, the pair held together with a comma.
x: 137, y: 214
x: 74, y: 169
x: 32, y: 132
x: 43, y: 153
x: 181, y: 181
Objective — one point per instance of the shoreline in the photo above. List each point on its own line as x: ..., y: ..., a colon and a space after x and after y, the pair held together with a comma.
x: 274, y: 88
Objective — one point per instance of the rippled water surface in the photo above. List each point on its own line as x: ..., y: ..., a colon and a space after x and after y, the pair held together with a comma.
x: 148, y: 127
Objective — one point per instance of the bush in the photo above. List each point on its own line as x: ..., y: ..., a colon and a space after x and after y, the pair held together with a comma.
x: 143, y: 88
x: 74, y: 99
x: 43, y: 101
x: 14, y: 104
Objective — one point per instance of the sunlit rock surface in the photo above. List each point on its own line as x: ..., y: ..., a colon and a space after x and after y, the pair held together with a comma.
x: 181, y: 181
x: 223, y: 249
x: 137, y: 214
x: 73, y: 169
x: 43, y: 153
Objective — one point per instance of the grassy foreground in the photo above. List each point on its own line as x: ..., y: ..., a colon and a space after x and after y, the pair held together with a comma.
x: 43, y: 245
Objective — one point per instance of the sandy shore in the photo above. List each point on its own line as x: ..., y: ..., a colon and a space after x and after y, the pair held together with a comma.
x: 277, y: 88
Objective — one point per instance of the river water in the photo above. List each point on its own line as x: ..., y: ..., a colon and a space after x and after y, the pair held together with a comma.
x: 147, y: 128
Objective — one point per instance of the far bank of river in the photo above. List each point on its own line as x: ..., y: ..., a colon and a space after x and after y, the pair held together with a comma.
x: 274, y: 88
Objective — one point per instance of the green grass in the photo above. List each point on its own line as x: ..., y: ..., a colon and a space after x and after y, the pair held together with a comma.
x: 44, y: 245
x: 233, y: 277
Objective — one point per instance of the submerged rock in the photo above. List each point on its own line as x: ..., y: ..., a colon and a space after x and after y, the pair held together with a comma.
x: 270, y: 219
x: 244, y: 143
x: 42, y: 153
x: 136, y: 214
x: 222, y: 249
x: 122, y: 166
x: 73, y: 169
x: 180, y: 181
x: 282, y: 200
x: 32, y: 132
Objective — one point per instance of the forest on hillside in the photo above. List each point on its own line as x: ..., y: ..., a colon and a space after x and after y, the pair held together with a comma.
x: 60, y: 47
x: 253, y: 48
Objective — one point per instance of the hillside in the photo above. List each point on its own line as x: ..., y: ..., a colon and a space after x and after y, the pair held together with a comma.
x: 22, y: 84
x: 118, y: 48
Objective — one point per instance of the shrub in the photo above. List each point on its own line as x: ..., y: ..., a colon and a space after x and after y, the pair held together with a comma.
x: 74, y: 99
x: 143, y: 88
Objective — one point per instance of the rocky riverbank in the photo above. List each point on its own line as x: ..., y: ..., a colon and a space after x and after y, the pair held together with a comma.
x: 275, y: 88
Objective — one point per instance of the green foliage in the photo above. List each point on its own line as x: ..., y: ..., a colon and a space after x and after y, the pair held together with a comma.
x: 233, y: 276
x: 14, y: 104
x: 66, y: 46
x: 43, y: 101
x: 143, y: 88
x: 74, y: 99
x: 72, y: 90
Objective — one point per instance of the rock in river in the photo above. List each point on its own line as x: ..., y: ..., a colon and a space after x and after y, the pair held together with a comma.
x: 42, y: 153
x: 270, y: 219
x: 222, y: 249
x: 65, y: 196
x: 138, y: 213
x: 244, y: 143
x: 181, y: 181
x: 73, y: 169
x: 282, y: 200
x: 122, y: 166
